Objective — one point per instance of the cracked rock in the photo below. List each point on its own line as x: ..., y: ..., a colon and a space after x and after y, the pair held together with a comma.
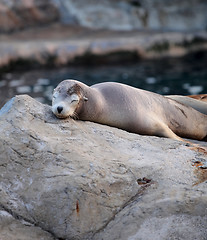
x: 71, y: 179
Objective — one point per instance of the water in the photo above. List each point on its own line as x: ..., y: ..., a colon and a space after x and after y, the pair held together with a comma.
x: 169, y: 76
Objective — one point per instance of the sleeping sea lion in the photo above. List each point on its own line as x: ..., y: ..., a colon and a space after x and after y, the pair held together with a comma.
x: 128, y: 108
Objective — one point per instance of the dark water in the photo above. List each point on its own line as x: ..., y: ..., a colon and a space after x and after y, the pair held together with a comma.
x: 170, y: 76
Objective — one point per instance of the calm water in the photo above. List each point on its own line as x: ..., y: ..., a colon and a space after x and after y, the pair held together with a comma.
x: 173, y: 76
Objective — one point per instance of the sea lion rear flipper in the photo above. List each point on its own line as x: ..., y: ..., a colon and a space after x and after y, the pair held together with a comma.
x: 200, y: 97
x: 162, y: 130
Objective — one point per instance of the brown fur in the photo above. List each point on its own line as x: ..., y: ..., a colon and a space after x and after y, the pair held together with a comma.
x: 200, y: 97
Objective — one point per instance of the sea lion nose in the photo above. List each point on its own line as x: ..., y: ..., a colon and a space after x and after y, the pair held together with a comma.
x: 59, y: 109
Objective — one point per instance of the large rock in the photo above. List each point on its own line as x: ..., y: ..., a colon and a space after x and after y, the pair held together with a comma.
x: 80, y: 180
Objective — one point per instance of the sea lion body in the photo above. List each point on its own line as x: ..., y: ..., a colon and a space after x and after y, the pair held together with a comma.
x: 128, y: 108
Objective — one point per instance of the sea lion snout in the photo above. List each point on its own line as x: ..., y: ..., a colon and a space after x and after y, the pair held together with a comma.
x: 64, y: 109
x: 59, y: 109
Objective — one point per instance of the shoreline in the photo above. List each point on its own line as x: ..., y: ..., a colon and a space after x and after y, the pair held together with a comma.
x: 60, y: 45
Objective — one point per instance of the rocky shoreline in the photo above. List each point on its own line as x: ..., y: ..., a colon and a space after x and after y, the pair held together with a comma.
x: 60, y: 45
x: 55, y: 33
x: 123, y: 15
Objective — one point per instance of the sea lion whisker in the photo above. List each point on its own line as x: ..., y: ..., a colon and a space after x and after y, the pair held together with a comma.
x: 75, y: 116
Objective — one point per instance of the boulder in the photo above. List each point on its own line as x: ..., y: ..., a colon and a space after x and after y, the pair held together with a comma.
x: 67, y: 179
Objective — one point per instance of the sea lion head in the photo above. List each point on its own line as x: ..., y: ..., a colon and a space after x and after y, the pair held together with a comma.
x: 67, y: 97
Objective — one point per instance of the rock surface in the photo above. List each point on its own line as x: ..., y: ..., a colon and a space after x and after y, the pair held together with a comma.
x: 69, y: 179
x: 18, y: 229
x: 59, y: 46
x: 135, y: 14
x: 17, y: 15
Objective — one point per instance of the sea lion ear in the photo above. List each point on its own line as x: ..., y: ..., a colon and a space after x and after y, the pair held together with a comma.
x: 85, y: 98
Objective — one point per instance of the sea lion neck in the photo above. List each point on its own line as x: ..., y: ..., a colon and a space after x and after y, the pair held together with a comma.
x: 92, y: 106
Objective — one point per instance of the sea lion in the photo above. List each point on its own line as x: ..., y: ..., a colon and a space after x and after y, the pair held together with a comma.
x: 200, y: 97
x: 199, y: 105
x: 128, y: 108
